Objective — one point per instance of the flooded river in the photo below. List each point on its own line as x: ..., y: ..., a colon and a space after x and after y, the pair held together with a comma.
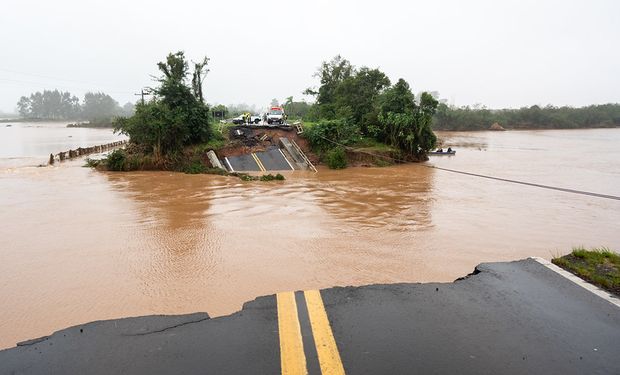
x: 78, y: 245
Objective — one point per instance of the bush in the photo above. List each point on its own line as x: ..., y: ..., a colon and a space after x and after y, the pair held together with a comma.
x: 117, y: 160
x: 92, y: 163
x: 336, y: 158
x: 195, y: 167
x: 270, y: 177
x: 328, y: 134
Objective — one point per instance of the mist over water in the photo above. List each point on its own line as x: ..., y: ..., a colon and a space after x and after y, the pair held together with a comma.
x: 78, y: 245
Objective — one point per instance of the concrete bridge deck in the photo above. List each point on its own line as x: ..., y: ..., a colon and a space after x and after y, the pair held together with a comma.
x: 507, y: 318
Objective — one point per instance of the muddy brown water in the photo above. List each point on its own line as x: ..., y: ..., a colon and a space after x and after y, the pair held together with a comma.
x: 77, y: 245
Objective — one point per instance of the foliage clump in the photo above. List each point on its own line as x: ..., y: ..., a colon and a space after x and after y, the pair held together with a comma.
x: 327, y: 134
x: 116, y: 160
x: 356, y: 104
x: 336, y: 158
x: 270, y: 177
x: 176, y: 116
x: 598, y: 266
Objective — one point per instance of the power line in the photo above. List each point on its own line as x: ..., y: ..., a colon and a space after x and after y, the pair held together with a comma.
x: 89, y: 84
x: 566, y: 190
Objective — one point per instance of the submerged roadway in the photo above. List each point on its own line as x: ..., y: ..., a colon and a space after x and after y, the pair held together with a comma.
x: 505, y: 318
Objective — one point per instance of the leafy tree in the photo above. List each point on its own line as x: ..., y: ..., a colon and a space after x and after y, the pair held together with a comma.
x: 49, y: 104
x: 275, y: 103
x: 406, y: 125
x: 99, y: 107
x: 296, y: 109
x: 331, y: 74
x: 328, y: 134
x: 128, y: 109
x: 24, y: 107
x: 358, y: 95
x: 175, y: 117
x: 200, y: 71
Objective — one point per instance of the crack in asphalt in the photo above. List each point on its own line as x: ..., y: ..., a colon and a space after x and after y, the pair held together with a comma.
x: 167, y: 328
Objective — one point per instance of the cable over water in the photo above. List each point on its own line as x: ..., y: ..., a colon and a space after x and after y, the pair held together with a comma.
x: 566, y: 190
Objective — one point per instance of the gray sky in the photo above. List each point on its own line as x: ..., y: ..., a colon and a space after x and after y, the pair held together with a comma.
x: 498, y: 53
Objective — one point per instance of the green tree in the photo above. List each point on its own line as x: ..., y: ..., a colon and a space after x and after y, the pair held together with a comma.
x: 99, y: 107
x: 331, y: 74
x: 23, y: 107
x: 406, y: 125
x: 358, y: 95
x: 49, y: 104
x: 175, y: 117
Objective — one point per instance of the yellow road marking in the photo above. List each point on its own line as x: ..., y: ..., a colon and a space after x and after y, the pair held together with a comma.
x: 260, y: 164
x: 326, y: 348
x: 292, y: 357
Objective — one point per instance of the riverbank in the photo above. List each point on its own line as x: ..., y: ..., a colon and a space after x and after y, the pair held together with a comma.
x: 516, y: 317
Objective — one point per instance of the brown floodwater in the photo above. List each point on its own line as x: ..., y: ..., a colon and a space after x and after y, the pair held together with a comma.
x: 78, y: 245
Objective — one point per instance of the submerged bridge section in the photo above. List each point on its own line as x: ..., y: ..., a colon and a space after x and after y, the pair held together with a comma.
x: 289, y: 157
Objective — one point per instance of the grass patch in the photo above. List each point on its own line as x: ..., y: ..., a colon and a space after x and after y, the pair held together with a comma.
x: 370, y: 144
x: 598, y: 266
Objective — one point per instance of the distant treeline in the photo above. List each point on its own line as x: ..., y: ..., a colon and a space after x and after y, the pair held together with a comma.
x: 97, y: 108
x: 534, y: 117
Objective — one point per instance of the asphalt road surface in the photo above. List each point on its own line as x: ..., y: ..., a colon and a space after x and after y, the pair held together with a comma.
x: 507, y: 318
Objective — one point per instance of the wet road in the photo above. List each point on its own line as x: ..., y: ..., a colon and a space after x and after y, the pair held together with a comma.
x: 508, y: 318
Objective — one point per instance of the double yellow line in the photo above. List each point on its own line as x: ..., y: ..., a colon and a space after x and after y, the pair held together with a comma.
x: 259, y: 163
x: 292, y: 355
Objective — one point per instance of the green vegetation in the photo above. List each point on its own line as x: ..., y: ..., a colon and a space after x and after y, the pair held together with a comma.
x: 97, y: 108
x: 92, y: 163
x: 353, y: 105
x: 336, y: 158
x: 327, y: 134
x: 534, y: 117
x: 598, y: 266
x: 270, y: 177
x: 175, y: 117
x: 116, y: 160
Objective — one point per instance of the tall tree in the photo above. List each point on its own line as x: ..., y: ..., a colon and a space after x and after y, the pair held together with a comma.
x: 406, y: 125
x: 175, y: 117
x: 200, y: 70
x: 99, y: 107
x: 331, y: 74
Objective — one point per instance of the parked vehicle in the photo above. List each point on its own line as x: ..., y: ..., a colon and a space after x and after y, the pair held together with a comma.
x: 239, y: 120
x: 276, y: 115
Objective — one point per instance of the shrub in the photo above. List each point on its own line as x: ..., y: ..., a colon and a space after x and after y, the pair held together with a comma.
x: 195, y: 167
x: 270, y: 177
x: 92, y: 163
x: 117, y: 160
x: 336, y: 158
x: 328, y: 134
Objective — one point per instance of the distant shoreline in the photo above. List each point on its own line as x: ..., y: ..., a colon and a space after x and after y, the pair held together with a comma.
x: 75, y: 124
x: 523, y: 129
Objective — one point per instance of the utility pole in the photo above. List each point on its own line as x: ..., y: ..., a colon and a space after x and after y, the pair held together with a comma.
x: 142, y: 93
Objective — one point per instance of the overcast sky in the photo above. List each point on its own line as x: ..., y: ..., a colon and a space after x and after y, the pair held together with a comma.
x: 497, y: 53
